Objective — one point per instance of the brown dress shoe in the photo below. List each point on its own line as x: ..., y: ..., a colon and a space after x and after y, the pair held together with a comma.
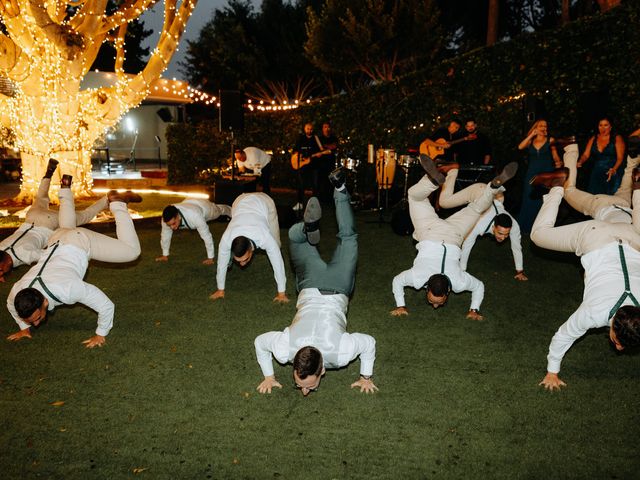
x: 445, y: 167
x: 66, y: 181
x: 126, y: 197
x: 551, y: 179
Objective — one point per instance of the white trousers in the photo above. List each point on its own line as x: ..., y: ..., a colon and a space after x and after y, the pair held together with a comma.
x: 124, y: 248
x: 582, y: 237
x: 453, y: 230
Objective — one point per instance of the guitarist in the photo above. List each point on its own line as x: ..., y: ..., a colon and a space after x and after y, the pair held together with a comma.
x: 308, y: 148
x: 440, y: 142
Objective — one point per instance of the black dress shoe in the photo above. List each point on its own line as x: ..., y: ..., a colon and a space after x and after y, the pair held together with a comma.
x: 338, y: 177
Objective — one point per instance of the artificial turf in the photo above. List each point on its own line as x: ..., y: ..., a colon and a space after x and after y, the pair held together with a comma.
x: 172, y: 393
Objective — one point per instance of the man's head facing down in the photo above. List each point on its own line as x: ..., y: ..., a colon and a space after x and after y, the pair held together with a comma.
x: 625, y: 328
x: 438, y: 289
x: 240, y: 155
x: 502, y: 227
x: 31, y: 306
x: 308, y: 369
x: 171, y: 217
x: 242, y: 250
x: 6, y: 264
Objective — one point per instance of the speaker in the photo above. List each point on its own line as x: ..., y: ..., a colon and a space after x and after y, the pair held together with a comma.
x: 165, y: 114
x: 231, y: 112
x: 226, y: 191
x: 592, y: 106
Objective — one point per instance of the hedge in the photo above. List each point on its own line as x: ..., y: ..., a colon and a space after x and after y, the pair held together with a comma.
x: 559, y: 67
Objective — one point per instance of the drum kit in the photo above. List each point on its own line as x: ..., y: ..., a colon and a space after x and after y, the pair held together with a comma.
x: 387, y: 161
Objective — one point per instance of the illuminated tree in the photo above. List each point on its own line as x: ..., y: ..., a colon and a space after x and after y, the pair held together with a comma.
x: 46, y: 48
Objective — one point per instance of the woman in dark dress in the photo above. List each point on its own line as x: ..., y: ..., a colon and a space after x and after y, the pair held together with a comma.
x: 543, y: 157
x: 606, y: 148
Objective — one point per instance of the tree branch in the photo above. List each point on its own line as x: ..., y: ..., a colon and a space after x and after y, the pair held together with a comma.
x: 128, y: 11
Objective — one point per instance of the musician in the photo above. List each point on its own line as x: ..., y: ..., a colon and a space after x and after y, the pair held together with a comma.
x: 308, y: 146
x: 476, y: 150
x: 441, y: 139
x: 254, y: 160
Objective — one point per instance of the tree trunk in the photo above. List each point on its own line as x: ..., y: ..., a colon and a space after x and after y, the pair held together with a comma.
x: 565, y: 18
x: 492, y: 22
x: 76, y: 164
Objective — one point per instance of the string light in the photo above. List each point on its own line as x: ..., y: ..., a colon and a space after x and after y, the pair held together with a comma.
x: 50, y: 47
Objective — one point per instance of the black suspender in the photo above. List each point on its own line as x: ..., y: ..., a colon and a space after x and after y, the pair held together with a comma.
x: 38, y: 278
x: 11, y: 249
x: 627, y: 286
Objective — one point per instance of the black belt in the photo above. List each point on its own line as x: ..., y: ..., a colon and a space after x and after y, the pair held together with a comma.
x: 325, y: 291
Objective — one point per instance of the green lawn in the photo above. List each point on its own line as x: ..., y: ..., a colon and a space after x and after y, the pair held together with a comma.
x: 172, y: 394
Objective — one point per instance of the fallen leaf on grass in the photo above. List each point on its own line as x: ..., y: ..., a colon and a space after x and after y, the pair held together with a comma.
x: 139, y: 469
x: 62, y: 429
x: 174, y: 349
x: 58, y: 403
x: 236, y: 461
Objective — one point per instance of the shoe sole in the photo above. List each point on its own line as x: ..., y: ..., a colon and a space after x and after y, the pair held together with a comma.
x: 429, y: 166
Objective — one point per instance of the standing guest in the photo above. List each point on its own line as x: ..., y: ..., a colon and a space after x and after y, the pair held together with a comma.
x: 476, y: 150
x: 253, y: 225
x: 255, y: 161
x: 610, y: 255
x: 57, y: 278
x: 542, y: 157
x: 607, y: 150
x: 191, y: 214
x: 317, y: 337
x: 439, y: 145
x: 437, y: 265
x: 327, y: 162
x: 307, y: 148
x: 25, y: 245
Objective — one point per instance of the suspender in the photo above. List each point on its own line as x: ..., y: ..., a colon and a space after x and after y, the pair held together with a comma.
x: 10, y: 247
x: 183, y: 220
x: 38, y: 277
x: 627, y: 287
x: 444, y: 257
x: 623, y: 210
x: 486, y: 230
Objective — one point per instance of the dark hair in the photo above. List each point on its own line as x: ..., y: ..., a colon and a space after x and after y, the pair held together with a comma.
x: 27, y: 301
x: 439, y: 285
x: 169, y: 213
x: 612, y: 134
x: 503, y: 220
x: 238, y: 150
x: 5, y: 258
x: 456, y: 120
x: 626, y: 325
x: 308, y: 361
x: 470, y: 119
x: 240, y: 245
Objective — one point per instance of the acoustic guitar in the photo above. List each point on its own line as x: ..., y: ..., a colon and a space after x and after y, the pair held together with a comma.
x: 433, y: 151
x: 298, y: 162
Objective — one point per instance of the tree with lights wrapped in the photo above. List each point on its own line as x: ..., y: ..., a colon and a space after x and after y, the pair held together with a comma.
x: 46, y: 48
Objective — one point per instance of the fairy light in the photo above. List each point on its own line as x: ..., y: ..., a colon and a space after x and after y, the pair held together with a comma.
x: 48, y: 114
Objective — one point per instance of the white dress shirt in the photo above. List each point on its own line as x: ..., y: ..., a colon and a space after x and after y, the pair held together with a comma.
x: 603, y: 287
x: 249, y: 218
x: 194, y: 217
x: 484, y: 226
x: 26, y: 243
x: 320, y: 322
x: 256, y: 159
x: 62, y: 275
x: 428, y: 262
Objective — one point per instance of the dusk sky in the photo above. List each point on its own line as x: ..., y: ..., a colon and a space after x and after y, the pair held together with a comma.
x: 201, y: 15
